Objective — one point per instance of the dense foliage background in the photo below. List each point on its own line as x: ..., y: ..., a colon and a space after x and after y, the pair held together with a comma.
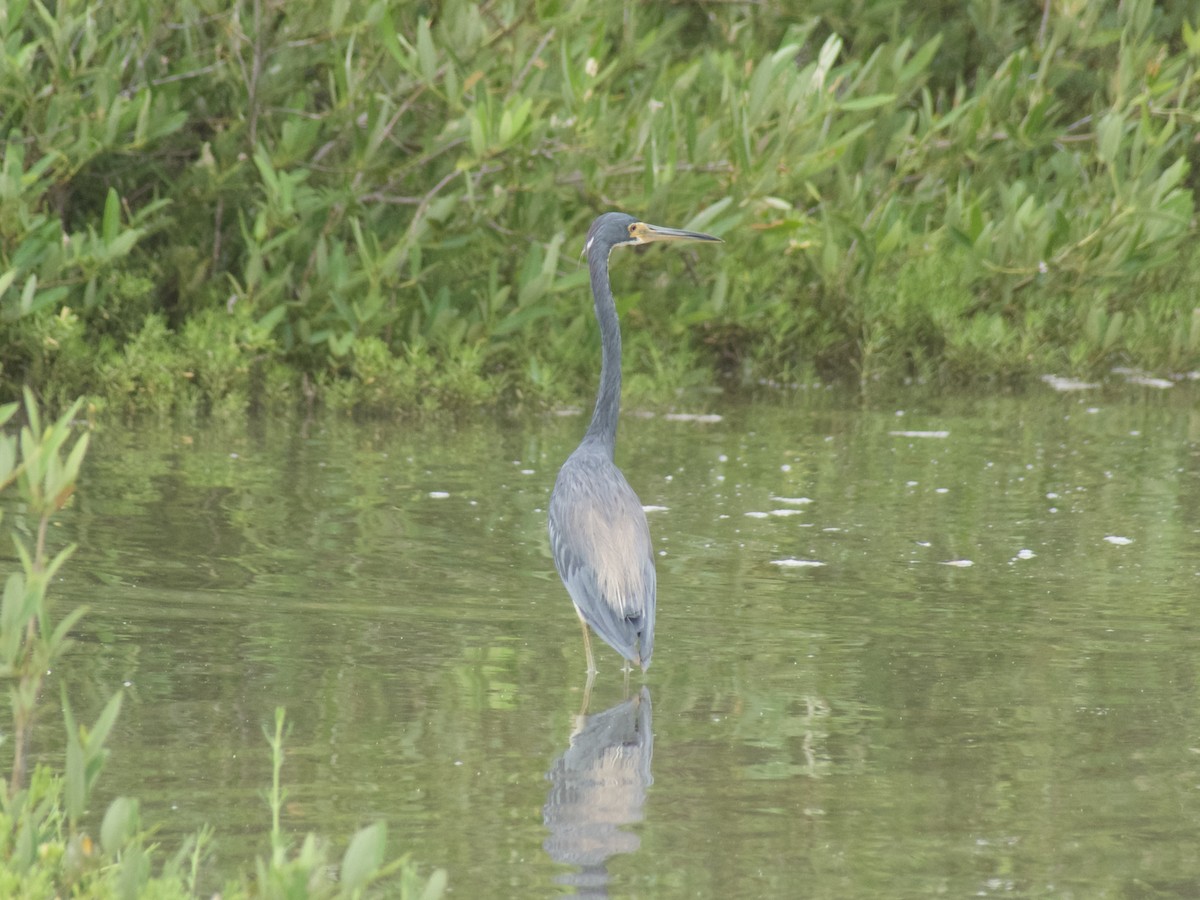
x: 213, y: 205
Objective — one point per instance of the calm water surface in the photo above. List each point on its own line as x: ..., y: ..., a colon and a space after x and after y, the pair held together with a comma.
x: 918, y: 645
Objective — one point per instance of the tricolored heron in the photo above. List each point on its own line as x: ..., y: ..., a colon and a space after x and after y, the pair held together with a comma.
x: 598, y: 530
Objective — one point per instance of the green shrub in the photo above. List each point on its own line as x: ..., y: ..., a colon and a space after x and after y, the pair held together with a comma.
x: 366, y: 174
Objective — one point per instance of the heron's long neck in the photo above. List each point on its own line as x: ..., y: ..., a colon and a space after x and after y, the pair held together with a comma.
x: 603, y: 428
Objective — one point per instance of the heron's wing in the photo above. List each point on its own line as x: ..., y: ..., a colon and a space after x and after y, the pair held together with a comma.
x: 601, y: 546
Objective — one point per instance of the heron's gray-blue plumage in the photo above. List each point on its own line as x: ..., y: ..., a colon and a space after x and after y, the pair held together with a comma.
x: 598, y: 530
x: 601, y: 546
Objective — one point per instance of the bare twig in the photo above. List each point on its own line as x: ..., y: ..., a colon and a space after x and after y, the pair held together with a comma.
x: 537, y: 51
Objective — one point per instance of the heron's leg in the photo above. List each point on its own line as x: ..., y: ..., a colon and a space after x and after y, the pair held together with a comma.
x: 587, y: 697
x: 587, y: 645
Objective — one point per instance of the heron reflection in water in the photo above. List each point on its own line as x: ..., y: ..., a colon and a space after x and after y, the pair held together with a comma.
x: 597, y: 787
x: 598, y: 530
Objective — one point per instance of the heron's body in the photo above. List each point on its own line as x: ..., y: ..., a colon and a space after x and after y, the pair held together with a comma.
x: 602, y: 550
x: 598, y: 530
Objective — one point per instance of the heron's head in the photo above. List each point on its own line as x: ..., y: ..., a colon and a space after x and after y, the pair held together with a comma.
x: 614, y: 229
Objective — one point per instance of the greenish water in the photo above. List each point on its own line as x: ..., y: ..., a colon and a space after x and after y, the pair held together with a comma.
x: 990, y: 685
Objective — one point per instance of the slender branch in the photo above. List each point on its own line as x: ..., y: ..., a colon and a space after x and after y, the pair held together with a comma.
x: 537, y: 52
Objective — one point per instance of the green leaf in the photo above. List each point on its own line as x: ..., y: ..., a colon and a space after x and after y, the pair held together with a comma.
x: 119, y: 826
x: 121, y: 244
x: 920, y: 60
x: 268, y: 321
x: 825, y: 60
x: 872, y: 102
x: 1109, y: 130
x: 435, y: 887
x: 28, y: 293
x: 141, y: 128
x: 105, y: 723
x: 701, y: 220
x: 363, y: 857
x: 1191, y: 38
x: 8, y: 449
x: 31, y: 410
x: 478, y: 133
x: 12, y: 619
x: 518, y: 320
x: 75, y: 460
x: 59, y: 637
x: 6, y: 280
x: 426, y: 57
x: 387, y: 34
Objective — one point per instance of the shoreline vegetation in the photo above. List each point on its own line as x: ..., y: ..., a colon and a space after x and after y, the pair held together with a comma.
x: 217, y: 208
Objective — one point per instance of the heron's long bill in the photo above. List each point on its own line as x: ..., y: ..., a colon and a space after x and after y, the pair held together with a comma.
x: 645, y: 233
